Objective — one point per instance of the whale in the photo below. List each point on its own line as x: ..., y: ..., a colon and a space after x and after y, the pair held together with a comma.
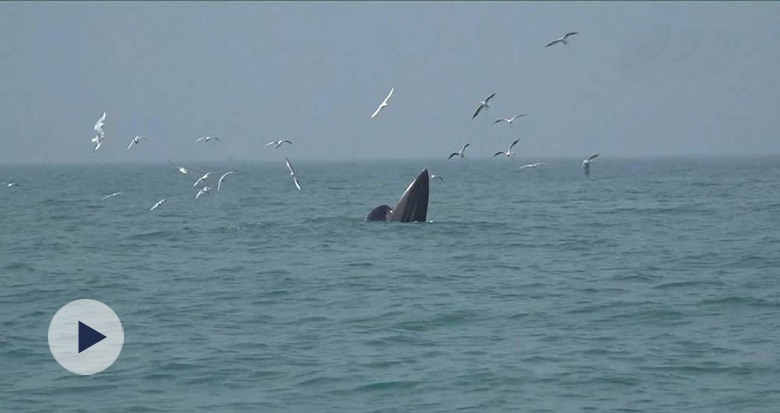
x: 412, y: 207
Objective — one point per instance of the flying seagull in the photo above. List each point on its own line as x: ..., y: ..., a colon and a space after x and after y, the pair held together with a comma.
x: 160, y: 202
x: 586, y: 164
x: 9, y: 184
x: 437, y: 177
x: 532, y: 165
x: 206, y: 139
x: 111, y: 195
x: 508, y: 153
x: 461, y: 152
x: 135, y: 141
x: 564, y: 39
x: 101, y: 134
x: 97, y: 140
x: 201, y: 179
x: 510, y: 120
x: 483, y: 104
x: 222, y: 178
x: 180, y: 168
x: 384, y: 103
x: 202, y: 191
x: 292, y: 172
x: 278, y: 143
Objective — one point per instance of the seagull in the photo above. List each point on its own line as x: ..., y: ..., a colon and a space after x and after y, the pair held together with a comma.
x: 180, y: 168
x: 97, y: 140
x: 437, y: 176
x: 292, y: 173
x: 207, y: 139
x: 510, y: 120
x: 278, y: 143
x: 384, y: 103
x: 586, y: 164
x: 99, y: 125
x: 221, y: 178
x: 531, y: 165
x: 135, y: 141
x: 160, y: 202
x: 201, y: 179
x: 460, y: 153
x: 9, y: 184
x: 112, y: 195
x: 202, y: 191
x: 564, y: 39
x: 508, y: 153
x: 483, y: 104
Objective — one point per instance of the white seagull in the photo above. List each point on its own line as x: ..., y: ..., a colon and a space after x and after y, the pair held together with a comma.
x: 222, y: 178
x: 384, y: 103
x: 278, y: 143
x: 180, y: 168
x: 532, y: 165
x: 202, y: 191
x: 101, y: 134
x: 292, y: 172
x: 484, y: 104
x: 461, y: 152
x: 201, y: 179
x: 9, y: 184
x: 206, y: 138
x: 97, y: 140
x: 135, y: 141
x: 586, y: 164
x: 510, y: 120
x: 564, y: 39
x: 508, y: 153
x: 160, y: 202
x: 111, y: 195
x: 437, y: 176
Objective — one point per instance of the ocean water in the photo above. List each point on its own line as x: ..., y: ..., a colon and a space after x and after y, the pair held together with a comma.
x: 652, y: 286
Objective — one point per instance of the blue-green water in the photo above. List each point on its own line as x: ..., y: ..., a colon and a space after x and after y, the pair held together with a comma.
x: 652, y: 286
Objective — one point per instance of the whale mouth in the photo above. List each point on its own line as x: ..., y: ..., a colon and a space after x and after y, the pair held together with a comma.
x: 412, y: 207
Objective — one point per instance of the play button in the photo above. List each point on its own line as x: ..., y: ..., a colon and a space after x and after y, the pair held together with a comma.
x: 86, y: 336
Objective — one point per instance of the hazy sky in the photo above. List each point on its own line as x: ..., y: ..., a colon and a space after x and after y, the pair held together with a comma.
x: 639, y: 79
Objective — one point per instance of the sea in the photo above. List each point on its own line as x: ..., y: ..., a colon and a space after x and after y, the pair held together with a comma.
x: 651, y: 286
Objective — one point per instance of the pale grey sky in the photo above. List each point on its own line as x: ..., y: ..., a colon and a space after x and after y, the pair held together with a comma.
x: 639, y: 79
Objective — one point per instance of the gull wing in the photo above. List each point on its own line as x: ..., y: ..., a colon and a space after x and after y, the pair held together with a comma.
x: 593, y: 157
x: 513, y: 144
x: 377, y: 111
x: 477, y: 112
x: 501, y: 120
x: 567, y: 35
x: 297, y: 185
x: 553, y: 42
x: 489, y: 97
x: 453, y: 154
x: 499, y: 153
x: 388, y: 96
x: 289, y: 166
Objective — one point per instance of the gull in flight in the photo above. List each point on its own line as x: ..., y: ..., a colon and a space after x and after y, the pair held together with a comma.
x: 201, y: 179
x: 384, y: 103
x: 532, y: 165
x: 111, y: 195
x: 461, y: 152
x: 180, y: 168
x: 202, y: 191
x: 510, y: 120
x: 222, y: 178
x: 160, y: 202
x: 206, y: 138
x: 135, y: 141
x: 292, y: 172
x: 278, y: 143
x: 9, y: 184
x: 484, y: 104
x: 437, y: 176
x: 586, y: 164
x: 101, y: 134
x: 508, y: 153
x: 564, y: 39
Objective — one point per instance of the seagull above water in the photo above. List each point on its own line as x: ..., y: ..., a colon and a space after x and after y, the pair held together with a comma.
x: 206, y: 139
x: 180, y: 168
x: 532, y: 165
x: 160, y: 202
x: 384, y: 103
x: 564, y: 40
x: 437, y: 176
x: 586, y: 164
x: 508, y: 153
x: 202, y: 191
x: 484, y: 104
x: 461, y: 152
x: 99, y: 125
x: 111, y: 196
x: 135, y: 141
x: 278, y: 143
x: 9, y: 184
x: 221, y: 178
x: 510, y: 120
x: 292, y: 172
x: 201, y: 179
